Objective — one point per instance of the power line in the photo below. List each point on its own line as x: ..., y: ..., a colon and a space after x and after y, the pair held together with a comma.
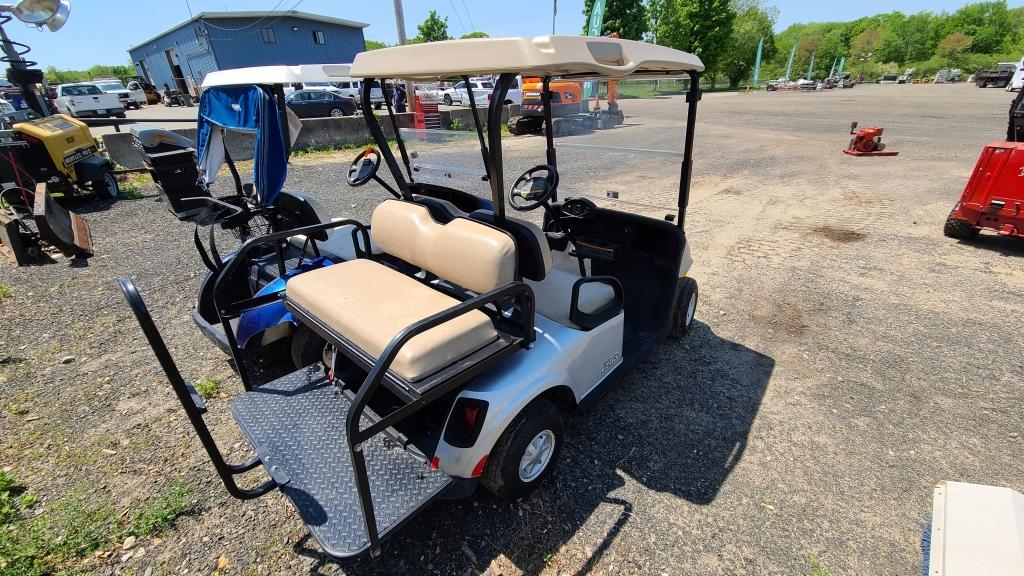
x: 189, y: 6
x: 267, y: 15
x: 459, y: 18
x: 468, y: 15
x: 274, y: 21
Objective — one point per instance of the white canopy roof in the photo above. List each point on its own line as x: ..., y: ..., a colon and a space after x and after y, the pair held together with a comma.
x: 539, y: 56
x: 278, y: 75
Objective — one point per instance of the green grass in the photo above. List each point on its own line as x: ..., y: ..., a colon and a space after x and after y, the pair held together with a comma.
x: 157, y: 515
x: 817, y: 569
x: 5, y: 291
x: 208, y: 388
x: 75, y: 526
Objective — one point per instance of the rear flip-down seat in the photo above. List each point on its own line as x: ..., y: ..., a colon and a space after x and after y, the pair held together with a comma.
x: 365, y: 304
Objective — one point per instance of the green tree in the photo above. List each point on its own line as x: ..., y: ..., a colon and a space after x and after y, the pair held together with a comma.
x: 628, y: 18
x: 374, y: 45
x: 753, y: 22
x: 987, y: 23
x: 702, y: 27
x: 475, y: 35
x: 433, y: 29
x: 863, y: 46
x: 954, y: 47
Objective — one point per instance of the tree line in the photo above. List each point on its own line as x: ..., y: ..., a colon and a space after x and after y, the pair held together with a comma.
x: 725, y: 35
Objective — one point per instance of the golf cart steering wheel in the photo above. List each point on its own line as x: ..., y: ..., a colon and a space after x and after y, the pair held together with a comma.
x: 533, y: 190
x: 364, y: 167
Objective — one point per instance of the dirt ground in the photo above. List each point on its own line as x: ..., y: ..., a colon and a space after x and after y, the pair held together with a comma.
x: 846, y: 357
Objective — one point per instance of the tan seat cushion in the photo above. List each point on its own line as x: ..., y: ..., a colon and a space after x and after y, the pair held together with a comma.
x: 473, y: 255
x: 369, y: 304
x: 553, y: 296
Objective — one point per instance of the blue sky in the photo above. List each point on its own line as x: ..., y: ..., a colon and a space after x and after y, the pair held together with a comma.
x: 100, y: 31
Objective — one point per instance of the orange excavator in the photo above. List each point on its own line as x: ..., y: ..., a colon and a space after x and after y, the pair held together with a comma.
x: 570, y: 112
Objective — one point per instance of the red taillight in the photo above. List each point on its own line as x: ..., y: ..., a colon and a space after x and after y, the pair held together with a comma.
x: 434, y: 463
x: 479, y: 468
x: 469, y: 414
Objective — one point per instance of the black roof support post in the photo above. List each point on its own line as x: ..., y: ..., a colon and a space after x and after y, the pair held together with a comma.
x: 686, y: 169
x: 394, y: 127
x: 476, y: 123
x: 381, y: 140
x: 549, y: 132
x: 282, y: 109
x: 497, y: 172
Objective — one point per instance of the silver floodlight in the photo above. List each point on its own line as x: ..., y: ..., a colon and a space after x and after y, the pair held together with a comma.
x: 50, y: 13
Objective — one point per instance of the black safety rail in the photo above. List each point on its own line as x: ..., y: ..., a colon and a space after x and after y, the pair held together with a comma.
x: 519, y: 294
x: 191, y: 401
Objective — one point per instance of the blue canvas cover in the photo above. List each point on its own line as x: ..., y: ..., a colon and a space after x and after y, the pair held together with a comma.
x: 245, y: 109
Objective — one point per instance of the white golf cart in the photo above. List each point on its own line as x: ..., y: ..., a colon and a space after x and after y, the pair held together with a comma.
x: 452, y: 353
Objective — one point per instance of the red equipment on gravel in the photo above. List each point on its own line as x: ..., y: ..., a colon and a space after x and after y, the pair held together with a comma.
x: 993, y: 196
x: 867, y: 142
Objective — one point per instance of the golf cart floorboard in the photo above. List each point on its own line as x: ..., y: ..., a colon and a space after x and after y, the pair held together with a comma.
x: 297, y: 425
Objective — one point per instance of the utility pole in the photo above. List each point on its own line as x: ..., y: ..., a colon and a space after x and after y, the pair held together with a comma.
x: 410, y: 88
x: 554, y: 13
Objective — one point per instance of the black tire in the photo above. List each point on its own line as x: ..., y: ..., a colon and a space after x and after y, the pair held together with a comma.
x: 308, y: 347
x: 121, y: 115
x: 682, y: 313
x: 107, y: 187
x: 502, y: 473
x: 959, y: 229
x: 377, y: 106
x: 447, y: 99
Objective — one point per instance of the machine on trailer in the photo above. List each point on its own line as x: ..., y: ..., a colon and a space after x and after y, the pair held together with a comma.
x: 452, y: 351
x: 867, y: 142
x: 993, y: 196
x: 1015, y: 127
x: 570, y: 112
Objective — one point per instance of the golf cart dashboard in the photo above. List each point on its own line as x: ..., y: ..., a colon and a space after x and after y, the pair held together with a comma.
x: 606, y: 235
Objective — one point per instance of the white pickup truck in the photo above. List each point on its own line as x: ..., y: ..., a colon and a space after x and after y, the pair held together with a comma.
x: 129, y: 98
x: 482, y: 88
x: 87, y: 101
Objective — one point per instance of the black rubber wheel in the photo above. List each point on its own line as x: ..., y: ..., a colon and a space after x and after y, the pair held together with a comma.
x: 308, y: 348
x: 519, y: 462
x: 684, y: 309
x: 447, y: 100
x: 107, y: 187
x: 959, y: 229
x: 377, y: 106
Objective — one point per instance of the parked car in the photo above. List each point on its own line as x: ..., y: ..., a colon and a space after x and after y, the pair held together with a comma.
x: 129, y: 98
x: 87, y: 101
x: 352, y: 86
x: 318, y: 103
x: 460, y: 94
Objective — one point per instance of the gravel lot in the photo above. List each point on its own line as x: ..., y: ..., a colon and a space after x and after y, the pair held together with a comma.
x: 847, y: 356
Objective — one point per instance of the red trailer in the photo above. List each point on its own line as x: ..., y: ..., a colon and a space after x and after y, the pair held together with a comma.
x: 993, y: 197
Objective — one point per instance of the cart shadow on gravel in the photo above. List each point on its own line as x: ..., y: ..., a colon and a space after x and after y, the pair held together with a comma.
x: 678, y: 425
x: 1002, y: 245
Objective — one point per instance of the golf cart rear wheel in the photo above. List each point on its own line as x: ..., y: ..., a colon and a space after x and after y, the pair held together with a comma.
x: 685, y: 308
x: 107, y: 187
x: 959, y: 229
x: 526, y: 452
x: 308, y: 348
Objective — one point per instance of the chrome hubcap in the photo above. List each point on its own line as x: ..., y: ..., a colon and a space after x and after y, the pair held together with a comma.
x: 537, y: 456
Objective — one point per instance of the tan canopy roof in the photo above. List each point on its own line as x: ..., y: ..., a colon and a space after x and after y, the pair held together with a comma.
x: 540, y: 56
x: 277, y: 75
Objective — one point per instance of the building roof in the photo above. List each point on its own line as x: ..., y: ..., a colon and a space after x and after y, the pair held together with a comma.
x: 560, y: 56
x: 277, y: 75
x: 270, y: 16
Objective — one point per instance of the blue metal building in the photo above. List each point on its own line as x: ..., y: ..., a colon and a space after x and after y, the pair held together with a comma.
x: 182, y: 56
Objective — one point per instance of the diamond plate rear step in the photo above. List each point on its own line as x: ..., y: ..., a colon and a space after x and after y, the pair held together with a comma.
x: 297, y: 425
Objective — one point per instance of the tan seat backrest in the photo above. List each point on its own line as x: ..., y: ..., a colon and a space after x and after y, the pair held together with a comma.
x: 471, y: 254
